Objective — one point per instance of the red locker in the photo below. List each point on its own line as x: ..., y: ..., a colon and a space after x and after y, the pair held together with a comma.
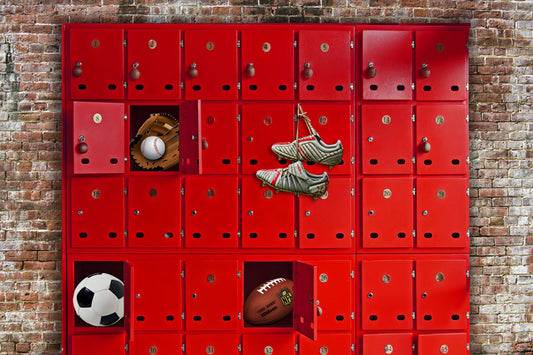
x: 267, y: 64
x: 396, y: 344
x: 327, y: 344
x: 105, y: 344
x: 269, y: 344
x: 199, y: 344
x: 445, y: 343
x: 154, y: 63
x: 158, y: 343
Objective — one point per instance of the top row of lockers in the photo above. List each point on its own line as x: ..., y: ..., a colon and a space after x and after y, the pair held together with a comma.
x: 173, y: 62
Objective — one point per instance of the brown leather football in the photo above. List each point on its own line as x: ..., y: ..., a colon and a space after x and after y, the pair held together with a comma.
x: 269, y: 302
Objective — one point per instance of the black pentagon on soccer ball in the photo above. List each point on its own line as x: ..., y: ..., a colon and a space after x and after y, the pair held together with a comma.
x: 109, y: 319
x: 85, y: 298
x: 117, y: 288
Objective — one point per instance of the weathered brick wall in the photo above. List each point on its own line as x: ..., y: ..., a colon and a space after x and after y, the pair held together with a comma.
x: 501, y: 126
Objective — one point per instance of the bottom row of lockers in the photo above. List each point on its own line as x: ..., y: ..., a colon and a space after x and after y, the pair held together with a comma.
x: 207, y: 293
x: 275, y: 344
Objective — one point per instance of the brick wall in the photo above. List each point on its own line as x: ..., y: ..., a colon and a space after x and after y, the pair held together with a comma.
x: 501, y: 133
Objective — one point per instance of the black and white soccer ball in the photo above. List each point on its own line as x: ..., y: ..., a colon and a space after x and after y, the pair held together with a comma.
x: 99, y: 299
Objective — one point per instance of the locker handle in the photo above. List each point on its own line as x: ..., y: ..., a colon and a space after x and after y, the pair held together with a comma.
x: 425, y: 71
x: 204, y: 144
x: 77, y: 71
x: 250, y: 70
x: 308, y: 71
x: 371, y: 70
x: 83, y: 148
x: 135, y: 74
x: 426, y: 147
x: 193, y: 72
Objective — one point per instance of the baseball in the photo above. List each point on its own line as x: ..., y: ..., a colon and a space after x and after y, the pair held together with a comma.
x: 152, y: 148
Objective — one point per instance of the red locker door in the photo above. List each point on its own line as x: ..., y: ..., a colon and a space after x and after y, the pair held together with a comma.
x: 442, y: 139
x: 323, y: 224
x: 262, y: 126
x: 97, y: 212
x: 267, y: 64
x: 105, y: 344
x: 212, y: 291
x: 189, y: 145
x: 442, y: 294
x: 327, y: 344
x: 388, y: 212
x: 98, y: 138
x: 387, y: 294
x: 267, y: 217
x: 387, y: 139
x: 154, y: 199
x: 442, y: 213
x: 446, y: 343
x: 211, y: 64
x: 153, y: 70
x: 164, y: 343
x: 269, y: 344
x: 305, y: 299
x: 335, y: 294
x: 96, y: 62
x: 387, y: 62
x: 441, y: 65
x: 395, y: 344
x: 157, y: 294
x: 319, y: 78
x: 200, y: 344
x: 333, y: 123
x: 211, y: 212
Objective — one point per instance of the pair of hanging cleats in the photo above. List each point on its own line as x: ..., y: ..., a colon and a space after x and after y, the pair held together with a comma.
x: 294, y: 178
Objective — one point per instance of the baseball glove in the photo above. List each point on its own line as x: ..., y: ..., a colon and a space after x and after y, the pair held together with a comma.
x: 165, y: 127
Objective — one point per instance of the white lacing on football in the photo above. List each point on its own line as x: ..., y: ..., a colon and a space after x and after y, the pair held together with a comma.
x: 270, y: 284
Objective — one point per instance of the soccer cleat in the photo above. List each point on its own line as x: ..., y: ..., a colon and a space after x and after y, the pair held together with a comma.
x: 294, y: 178
x: 309, y: 148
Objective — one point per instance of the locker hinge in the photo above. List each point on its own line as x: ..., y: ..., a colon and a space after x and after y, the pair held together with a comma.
x: 239, y: 347
x: 352, y: 192
x: 182, y: 276
x: 182, y: 191
x: 239, y: 274
x: 353, y: 347
x: 467, y: 118
x: 414, y: 191
x: 295, y: 118
x: 351, y: 86
x: 467, y: 87
x: 182, y: 315
x: 239, y: 191
x: 126, y: 233
x: 239, y: 86
x: 414, y: 160
x: 468, y: 346
x: 413, y: 118
x: 352, y: 118
x: 467, y: 315
x: 468, y: 160
x: 351, y: 44
x: 125, y: 159
x: 239, y: 315
x: 414, y: 347
x: 414, y: 233
x: 182, y: 233
x: 352, y: 233
x: 352, y: 160
x: 412, y: 86
x: 352, y: 275
x: 238, y: 234
x: 295, y: 44
x: 182, y: 347
x: 125, y: 43
x: 238, y: 160
x: 412, y: 44
x: 125, y: 117
x: 182, y: 43
x: 296, y: 347
x: 238, y: 43
x: 413, y: 315
x: 182, y: 85
x: 125, y: 85
x: 239, y: 117
x: 295, y: 234
x: 468, y: 192
x: 295, y: 86
x: 127, y: 347
x: 125, y: 191
x: 468, y: 233
x: 467, y: 273
x: 413, y: 273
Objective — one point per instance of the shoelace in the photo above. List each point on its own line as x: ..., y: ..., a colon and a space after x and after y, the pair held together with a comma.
x: 302, y: 114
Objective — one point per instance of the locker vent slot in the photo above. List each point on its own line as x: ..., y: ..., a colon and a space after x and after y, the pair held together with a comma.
x: 282, y: 235
x: 112, y: 87
x: 282, y: 161
x: 455, y: 317
x: 373, y: 162
x: 454, y: 88
x: 400, y: 317
x: 169, y: 235
x: 310, y: 236
x: 428, y: 162
x: 197, y: 318
x: 339, y: 87
x: 428, y: 235
x: 253, y: 162
x: 226, y: 318
x: 226, y: 161
x: 339, y: 235
x: 339, y: 317
x: 197, y: 87
x: 401, y: 161
x: 253, y: 87
x: 169, y: 87
x: 83, y: 235
x: 401, y: 235
x: 282, y: 87
x: 139, y: 235
x: 310, y: 87
x: 112, y: 235
x: 455, y: 235
x: 455, y: 161
x: 170, y: 318
x: 226, y: 87
x: 373, y: 317
x: 427, y: 87
x: 85, y: 161
x: 226, y: 235
x: 373, y: 235
x: 140, y: 318
x: 113, y: 161
x: 139, y: 87
x: 373, y: 87
x: 400, y: 87
x: 196, y: 235
x: 428, y: 317
x: 253, y: 235
x: 82, y: 86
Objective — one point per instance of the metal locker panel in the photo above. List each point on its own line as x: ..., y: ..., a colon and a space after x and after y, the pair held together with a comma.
x: 211, y: 64
x: 267, y: 64
x: 154, y: 199
x: 325, y: 65
x: 323, y: 223
x: 211, y: 212
x: 442, y: 294
x: 388, y: 205
x: 157, y: 294
x: 387, y: 294
x: 154, y: 63
x: 386, y: 78
x: 105, y: 344
x: 262, y: 126
x: 333, y: 123
x: 97, y: 212
x: 442, y: 212
x: 98, y: 137
x: 190, y: 130
x: 395, y: 344
x: 165, y: 343
x: 441, y: 65
x: 326, y: 344
x: 445, y: 343
x: 442, y: 139
x: 258, y: 344
x: 96, y: 64
x: 387, y: 139
x: 268, y: 219
x: 219, y: 138
x: 205, y: 282
x: 200, y: 344
x: 305, y: 293
x: 335, y: 294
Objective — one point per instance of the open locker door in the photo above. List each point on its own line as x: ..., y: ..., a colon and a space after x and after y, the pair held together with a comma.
x: 128, y: 297
x: 190, y: 130
x: 305, y: 302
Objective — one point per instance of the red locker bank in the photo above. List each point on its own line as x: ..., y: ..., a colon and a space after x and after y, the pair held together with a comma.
x: 322, y: 169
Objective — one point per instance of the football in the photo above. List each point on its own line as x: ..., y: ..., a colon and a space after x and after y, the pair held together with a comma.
x: 99, y: 300
x: 269, y: 302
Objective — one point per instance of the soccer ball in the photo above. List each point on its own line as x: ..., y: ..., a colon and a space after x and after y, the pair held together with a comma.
x: 99, y: 300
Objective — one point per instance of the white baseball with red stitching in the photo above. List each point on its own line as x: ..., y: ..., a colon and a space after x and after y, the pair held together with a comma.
x: 152, y: 148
